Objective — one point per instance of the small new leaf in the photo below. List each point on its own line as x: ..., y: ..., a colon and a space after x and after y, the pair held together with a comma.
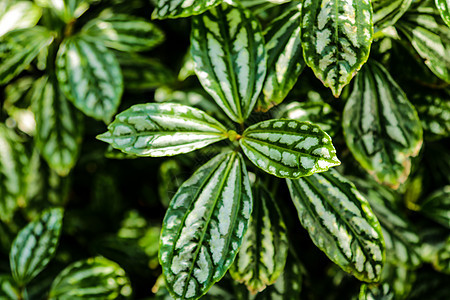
x: 227, y: 46
x: 340, y: 222
x: 182, y: 8
x: 164, y: 129
x: 336, y: 38
x: 205, y: 225
x: 35, y: 246
x: 289, y: 148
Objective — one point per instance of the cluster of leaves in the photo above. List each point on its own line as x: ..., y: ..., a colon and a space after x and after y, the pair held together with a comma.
x: 241, y: 105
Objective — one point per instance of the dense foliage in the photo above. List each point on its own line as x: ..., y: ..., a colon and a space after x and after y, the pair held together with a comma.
x: 305, y: 144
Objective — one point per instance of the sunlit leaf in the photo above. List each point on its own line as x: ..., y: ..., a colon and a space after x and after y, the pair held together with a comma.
x: 89, y: 75
x: 35, y: 245
x: 289, y: 148
x: 94, y: 278
x: 263, y: 253
x: 437, y: 206
x: 387, y: 12
x: 227, y: 46
x: 336, y: 37
x: 444, y: 9
x: 66, y: 10
x: 381, y: 127
x: 18, y: 15
x: 18, y: 48
x: 182, y: 8
x: 205, y: 225
x: 340, y: 222
x: 164, y: 129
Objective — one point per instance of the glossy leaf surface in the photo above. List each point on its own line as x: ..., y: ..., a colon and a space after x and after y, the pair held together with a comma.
x: 66, y: 10
x: 263, y: 253
x: 35, y: 245
x: 444, y: 9
x: 182, y: 8
x: 227, y: 46
x: 285, y: 58
x: 94, y: 278
x: 387, y: 12
x: 289, y: 148
x: 336, y: 37
x: 18, y: 15
x: 381, y: 127
x: 58, y: 126
x: 205, y: 225
x: 164, y: 129
x: 89, y: 75
x: 340, y: 222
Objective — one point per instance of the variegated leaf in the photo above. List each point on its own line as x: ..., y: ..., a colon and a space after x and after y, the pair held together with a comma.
x: 18, y: 15
x: 13, y: 162
x: 58, y: 126
x: 205, y: 225
x: 376, y: 292
x: 18, y: 48
x: 437, y: 206
x: 381, y: 127
x: 227, y: 46
x: 444, y: 9
x: 387, y: 12
x: 66, y: 10
x: 263, y: 254
x: 430, y: 37
x: 94, y: 278
x: 289, y: 148
x: 285, y: 58
x: 89, y: 75
x: 442, y: 261
x: 164, y: 129
x: 8, y: 288
x: 123, y: 32
x: 340, y: 222
x: 35, y: 245
x: 336, y: 37
x: 182, y: 8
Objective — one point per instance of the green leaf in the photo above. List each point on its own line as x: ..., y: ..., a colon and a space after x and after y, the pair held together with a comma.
x: 376, y: 292
x: 66, y: 10
x: 205, y: 225
x: 444, y: 9
x: 387, y: 12
x: 437, y: 206
x: 430, y: 37
x: 8, y: 288
x: 336, y: 37
x: 285, y: 58
x: 89, y: 75
x: 442, y: 261
x: 18, y: 49
x: 164, y: 129
x: 18, y: 15
x: 340, y: 222
x: 182, y: 8
x: 227, y: 46
x: 263, y: 253
x: 289, y: 148
x: 123, y: 32
x: 381, y: 127
x: 35, y: 245
x: 13, y: 161
x: 93, y: 278
x: 58, y: 126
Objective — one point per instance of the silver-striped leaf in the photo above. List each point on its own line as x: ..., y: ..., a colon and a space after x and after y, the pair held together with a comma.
x: 93, y: 278
x: 376, y: 292
x: 381, y: 127
x: 444, y: 9
x: 387, y: 12
x: 18, y: 48
x: 35, y: 245
x: 430, y: 37
x: 336, y: 38
x: 89, y: 75
x: 18, y: 15
x: 66, y: 10
x: 289, y: 148
x: 8, y: 288
x: 162, y: 129
x: 437, y: 206
x: 182, y: 8
x: 13, y: 163
x: 227, y: 47
x: 340, y: 222
x: 264, y: 251
x: 58, y: 126
x: 204, y: 226
x: 123, y: 32
x: 285, y: 58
